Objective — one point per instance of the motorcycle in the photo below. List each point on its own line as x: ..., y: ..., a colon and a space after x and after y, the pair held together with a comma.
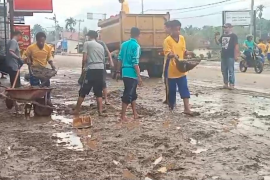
x: 252, y: 59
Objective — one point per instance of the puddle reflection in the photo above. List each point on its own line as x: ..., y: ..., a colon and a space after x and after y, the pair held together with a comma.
x: 62, y: 119
x: 69, y: 140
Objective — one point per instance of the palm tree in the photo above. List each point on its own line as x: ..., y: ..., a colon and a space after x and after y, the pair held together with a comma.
x: 36, y: 29
x: 70, y: 24
x: 260, y: 9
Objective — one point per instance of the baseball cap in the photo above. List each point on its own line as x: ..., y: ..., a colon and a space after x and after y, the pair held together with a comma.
x: 228, y: 25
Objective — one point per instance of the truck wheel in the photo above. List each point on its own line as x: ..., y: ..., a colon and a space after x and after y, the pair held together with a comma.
x: 155, y: 71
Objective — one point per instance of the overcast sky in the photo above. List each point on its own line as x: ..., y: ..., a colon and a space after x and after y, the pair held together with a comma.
x: 79, y: 8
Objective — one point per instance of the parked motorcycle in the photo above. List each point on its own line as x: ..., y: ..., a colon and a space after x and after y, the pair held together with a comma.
x: 252, y: 60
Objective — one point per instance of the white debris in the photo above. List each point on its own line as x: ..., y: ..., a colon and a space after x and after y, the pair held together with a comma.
x: 157, y: 161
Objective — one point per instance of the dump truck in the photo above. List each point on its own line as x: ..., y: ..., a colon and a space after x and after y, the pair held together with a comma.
x: 115, y: 30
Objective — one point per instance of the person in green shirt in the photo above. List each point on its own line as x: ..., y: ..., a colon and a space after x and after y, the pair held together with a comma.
x: 129, y: 57
x: 249, y: 46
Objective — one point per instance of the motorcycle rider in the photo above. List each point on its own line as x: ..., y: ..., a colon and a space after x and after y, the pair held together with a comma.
x: 249, y: 46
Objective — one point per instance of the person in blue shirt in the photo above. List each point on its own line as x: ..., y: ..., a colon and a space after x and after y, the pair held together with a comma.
x: 129, y: 56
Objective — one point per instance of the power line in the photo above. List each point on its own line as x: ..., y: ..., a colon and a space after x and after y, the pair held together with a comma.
x: 211, y: 14
x: 204, y: 15
x: 205, y: 7
x: 192, y: 7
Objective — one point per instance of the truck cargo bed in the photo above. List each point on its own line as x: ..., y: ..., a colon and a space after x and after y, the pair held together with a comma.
x: 116, y: 30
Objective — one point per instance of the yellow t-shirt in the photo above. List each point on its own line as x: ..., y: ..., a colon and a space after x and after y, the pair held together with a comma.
x: 268, y: 46
x: 262, y: 46
x: 125, y: 7
x: 178, y: 48
x: 39, y: 57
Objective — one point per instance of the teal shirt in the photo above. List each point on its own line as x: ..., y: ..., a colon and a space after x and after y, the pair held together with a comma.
x: 250, y: 44
x: 129, y: 55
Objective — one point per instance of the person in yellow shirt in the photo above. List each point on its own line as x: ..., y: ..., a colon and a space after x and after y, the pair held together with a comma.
x: 175, y: 48
x: 39, y: 54
x: 263, y: 47
x: 268, y: 50
x: 125, y: 6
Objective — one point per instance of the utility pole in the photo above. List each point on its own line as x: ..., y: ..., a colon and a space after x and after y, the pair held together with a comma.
x: 79, y: 21
x: 11, y: 16
x: 142, y: 7
x: 55, y: 26
x: 5, y: 24
x: 252, y: 18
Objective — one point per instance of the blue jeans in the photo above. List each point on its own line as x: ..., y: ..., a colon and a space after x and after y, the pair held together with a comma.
x: 227, y: 69
x: 130, y: 93
x: 172, y: 84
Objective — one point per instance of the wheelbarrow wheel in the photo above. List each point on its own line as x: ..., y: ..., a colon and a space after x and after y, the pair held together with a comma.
x: 42, y: 111
x: 9, y: 103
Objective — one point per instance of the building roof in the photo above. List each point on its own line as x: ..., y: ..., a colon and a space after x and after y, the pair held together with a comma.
x: 70, y: 35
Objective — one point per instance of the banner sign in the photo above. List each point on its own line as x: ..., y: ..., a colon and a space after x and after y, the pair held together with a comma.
x: 25, y: 41
x: 36, y: 6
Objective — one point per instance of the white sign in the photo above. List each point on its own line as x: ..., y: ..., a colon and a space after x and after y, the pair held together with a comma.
x: 18, y: 20
x: 97, y: 16
x: 240, y: 18
x: 89, y: 15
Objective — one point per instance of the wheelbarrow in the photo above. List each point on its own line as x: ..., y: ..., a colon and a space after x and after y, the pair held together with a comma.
x: 31, y: 96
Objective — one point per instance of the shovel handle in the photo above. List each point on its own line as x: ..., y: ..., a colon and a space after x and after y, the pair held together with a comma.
x: 16, y: 78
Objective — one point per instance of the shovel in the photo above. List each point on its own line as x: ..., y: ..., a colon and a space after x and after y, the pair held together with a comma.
x: 10, y: 103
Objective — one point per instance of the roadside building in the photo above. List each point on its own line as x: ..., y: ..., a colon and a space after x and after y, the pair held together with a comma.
x: 70, y: 41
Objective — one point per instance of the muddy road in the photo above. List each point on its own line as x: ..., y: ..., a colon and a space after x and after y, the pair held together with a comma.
x: 229, y: 141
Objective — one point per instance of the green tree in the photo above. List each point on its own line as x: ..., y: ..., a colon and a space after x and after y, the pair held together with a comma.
x: 36, y: 29
x: 70, y: 24
x: 85, y: 31
x: 260, y: 9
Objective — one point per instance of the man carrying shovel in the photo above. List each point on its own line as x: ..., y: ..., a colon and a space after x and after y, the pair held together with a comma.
x: 39, y: 55
x: 13, y: 60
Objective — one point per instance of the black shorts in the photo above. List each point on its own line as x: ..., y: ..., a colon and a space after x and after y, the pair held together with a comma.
x: 12, y: 75
x: 104, y: 79
x: 130, y: 93
x: 93, y: 79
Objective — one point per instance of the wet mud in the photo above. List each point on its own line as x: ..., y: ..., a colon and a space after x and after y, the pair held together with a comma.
x: 229, y: 141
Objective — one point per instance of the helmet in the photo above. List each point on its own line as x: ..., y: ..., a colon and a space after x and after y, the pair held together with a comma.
x: 249, y: 36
